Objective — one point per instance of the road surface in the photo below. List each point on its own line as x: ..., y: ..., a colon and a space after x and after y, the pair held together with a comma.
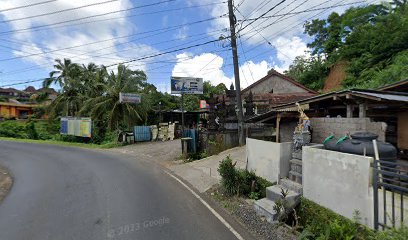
x: 72, y: 193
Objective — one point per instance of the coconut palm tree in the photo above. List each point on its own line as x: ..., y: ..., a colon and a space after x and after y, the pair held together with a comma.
x: 107, y: 105
x: 68, y: 76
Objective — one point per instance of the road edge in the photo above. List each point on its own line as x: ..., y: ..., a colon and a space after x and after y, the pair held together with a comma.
x: 6, y: 182
x: 239, y: 231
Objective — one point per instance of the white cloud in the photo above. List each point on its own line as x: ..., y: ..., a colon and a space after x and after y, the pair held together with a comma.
x: 104, y: 52
x: 287, y: 50
x: 207, y: 66
x: 251, y: 72
x: 182, y: 33
x: 284, y: 32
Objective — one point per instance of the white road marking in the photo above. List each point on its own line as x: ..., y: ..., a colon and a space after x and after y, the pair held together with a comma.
x: 226, y: 224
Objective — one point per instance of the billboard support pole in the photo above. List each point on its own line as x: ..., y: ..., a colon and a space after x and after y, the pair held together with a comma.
x: 182, y: 114
x: 182, y: 122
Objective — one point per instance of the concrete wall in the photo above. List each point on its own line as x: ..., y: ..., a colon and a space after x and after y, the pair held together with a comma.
x: 269, y: 160
x: 323, y: 127
x: 342, y: 182
x: 277, y: 84
x: 338, y: 181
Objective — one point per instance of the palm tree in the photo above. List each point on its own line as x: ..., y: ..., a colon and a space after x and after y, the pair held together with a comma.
x: 108, y: 106
x: 68, y: 76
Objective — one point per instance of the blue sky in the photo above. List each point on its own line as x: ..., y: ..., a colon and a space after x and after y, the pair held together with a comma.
x: 113, y: 31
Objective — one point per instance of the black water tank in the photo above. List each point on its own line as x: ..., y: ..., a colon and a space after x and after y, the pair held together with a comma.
x: 362, y: 144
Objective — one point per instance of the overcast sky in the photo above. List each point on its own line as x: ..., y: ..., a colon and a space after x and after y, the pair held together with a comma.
x: 113, y: 31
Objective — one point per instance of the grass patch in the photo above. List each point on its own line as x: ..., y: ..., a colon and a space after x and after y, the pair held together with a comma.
x: 317, y: 222
x: 62, y: 143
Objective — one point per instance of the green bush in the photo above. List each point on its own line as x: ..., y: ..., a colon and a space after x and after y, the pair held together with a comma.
x: 31, y: 131
x: 241, y: 181
x: 393, y: 234
x: 229, y: 175
x: 13, y: 129
x: 321, y: 223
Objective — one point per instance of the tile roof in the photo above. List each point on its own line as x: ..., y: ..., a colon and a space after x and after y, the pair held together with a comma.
x: 273, y: 72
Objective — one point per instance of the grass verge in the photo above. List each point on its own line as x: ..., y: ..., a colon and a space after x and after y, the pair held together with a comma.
x: 62, y: 143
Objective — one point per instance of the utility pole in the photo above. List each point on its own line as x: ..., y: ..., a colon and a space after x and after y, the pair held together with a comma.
x: 240, y: 114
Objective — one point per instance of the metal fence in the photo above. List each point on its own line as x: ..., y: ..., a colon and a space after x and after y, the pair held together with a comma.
x: 390, y: 183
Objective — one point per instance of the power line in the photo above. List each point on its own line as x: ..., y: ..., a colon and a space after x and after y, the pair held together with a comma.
x: 163, y: 53
x: 42, y: 79
x: 100, y: 56
x: 277, y: 20
x: 272, y: 8
x: 57, y: 12
x: 305, y: 11
x: 263, y: 53
x: 110, y: 39
x: 122, y: 17
x: 87, y: 17
x: 26, y: 6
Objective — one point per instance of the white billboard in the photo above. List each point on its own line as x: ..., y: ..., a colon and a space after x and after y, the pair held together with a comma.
x: 129, y: 98
x: 186, y: 85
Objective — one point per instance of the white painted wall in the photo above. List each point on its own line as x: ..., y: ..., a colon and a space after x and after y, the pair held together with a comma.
x: 342, y: 182
x: 269, y: 160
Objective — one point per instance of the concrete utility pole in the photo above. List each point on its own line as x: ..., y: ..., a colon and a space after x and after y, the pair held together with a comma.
x: 240, y: 114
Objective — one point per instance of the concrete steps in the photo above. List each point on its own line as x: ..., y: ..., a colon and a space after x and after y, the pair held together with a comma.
x: 294, y: 186
x: 265, y: 206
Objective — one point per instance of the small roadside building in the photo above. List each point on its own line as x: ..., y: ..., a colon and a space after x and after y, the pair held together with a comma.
x: 12, y: 110
x: 382, y: 112
x: 275, y: 89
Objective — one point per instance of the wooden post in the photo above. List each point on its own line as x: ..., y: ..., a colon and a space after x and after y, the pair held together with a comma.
x: 349, y: 111
x: 278, y: 118
x: 362, y: 113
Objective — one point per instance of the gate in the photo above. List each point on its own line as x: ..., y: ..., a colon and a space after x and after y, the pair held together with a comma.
x: 390, y: 183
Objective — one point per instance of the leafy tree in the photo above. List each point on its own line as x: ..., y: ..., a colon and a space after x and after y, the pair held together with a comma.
x: 371, y: 40
x: 108, y: 106
x: 68, y: 76
x: 310, y: 72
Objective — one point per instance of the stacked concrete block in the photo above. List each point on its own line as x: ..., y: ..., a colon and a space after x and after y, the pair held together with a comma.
x: 171, y: 131
x: 324, y: 127
x: 163, y: 131
x: 155, y: 132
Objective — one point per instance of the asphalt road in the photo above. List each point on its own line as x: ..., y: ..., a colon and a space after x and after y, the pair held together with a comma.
x: 72, y: 193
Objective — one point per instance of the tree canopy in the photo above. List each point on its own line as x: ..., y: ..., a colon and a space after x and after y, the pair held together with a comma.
x: 372, y: 40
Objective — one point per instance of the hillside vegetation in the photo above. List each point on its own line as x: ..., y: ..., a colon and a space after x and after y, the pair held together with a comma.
x: 372, y: 40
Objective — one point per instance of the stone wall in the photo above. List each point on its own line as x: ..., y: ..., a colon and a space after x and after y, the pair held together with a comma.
x: 323, y: 127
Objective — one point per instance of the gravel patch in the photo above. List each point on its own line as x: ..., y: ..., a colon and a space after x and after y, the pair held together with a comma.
x: 5, y: 182
x: 243, y: 211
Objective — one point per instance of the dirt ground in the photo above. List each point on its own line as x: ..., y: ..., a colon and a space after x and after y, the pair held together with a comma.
x: 5, y: 182
x: 163, y: 153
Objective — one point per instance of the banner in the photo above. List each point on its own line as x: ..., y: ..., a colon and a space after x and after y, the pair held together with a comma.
x: 129, y: 98
x: 186, y: 85
x: 80, y: 127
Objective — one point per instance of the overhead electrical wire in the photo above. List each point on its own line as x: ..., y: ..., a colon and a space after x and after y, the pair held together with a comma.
x: 110, y: 39
x: 263, y: 14
x: 122, y: 17
x: 294, y: 26
x: 27, y: 6
x: 83, y: 18
x: 304, y: 11
x: 58, y: 12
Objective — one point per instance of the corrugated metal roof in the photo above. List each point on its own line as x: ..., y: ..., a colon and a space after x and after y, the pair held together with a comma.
x: 384, y: 95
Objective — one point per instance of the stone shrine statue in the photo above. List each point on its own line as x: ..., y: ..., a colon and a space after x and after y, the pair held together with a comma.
x: 301, y: 135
